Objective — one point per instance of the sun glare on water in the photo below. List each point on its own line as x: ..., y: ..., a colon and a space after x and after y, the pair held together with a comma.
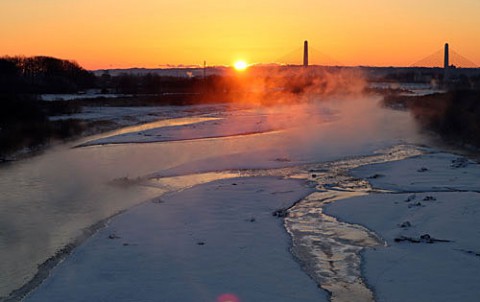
x: 240, y: 65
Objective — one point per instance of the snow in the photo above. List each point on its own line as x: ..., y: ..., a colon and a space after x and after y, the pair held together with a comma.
x: 131, y: 115
x: 407, y: 271
x: 227, y: 124
x: 206, y: 129
x: 79, y: 96
x: 214, y: 238
x: 431, y: 172
x: 196, y: 245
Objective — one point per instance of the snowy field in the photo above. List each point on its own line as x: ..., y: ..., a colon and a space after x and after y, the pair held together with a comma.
x: 428, y: 218
x: 333, y: 201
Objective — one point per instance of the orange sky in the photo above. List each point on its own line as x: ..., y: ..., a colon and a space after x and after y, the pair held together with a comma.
x: 149, y: 33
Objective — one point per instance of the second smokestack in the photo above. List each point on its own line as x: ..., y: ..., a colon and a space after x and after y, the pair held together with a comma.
x: 305, y: 53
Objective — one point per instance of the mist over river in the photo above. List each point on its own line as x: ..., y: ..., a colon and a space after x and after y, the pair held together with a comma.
x: 49, y: 200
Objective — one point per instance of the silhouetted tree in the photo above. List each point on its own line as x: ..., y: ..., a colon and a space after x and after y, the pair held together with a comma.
x: 43, y: 75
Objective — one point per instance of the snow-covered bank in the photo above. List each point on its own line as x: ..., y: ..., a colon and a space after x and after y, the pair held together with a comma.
x: 228, y: 124
x: 197, y: 245
x: 129, y: 115
x: 430, y: 222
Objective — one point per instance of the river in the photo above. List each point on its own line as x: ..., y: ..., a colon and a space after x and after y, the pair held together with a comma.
x: 49, y: 200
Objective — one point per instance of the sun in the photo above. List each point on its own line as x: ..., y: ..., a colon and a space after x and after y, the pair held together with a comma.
x: 240, y: 65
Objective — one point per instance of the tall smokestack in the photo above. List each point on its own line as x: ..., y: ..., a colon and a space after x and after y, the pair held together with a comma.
x: 305, y: 53
x: 446, y: 64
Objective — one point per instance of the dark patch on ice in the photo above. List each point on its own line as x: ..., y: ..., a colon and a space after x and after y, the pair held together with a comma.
x: 375, y: 176
x: 157, y: 200
x: 422, y: 169
x: 410, y: 198
x: 473, y: 253
x: 200, y: 243
x: 280, y: 213
x: 426, y: 238
x: 460, y: 162
x: 113, y: 236
x: 416, y: 205
x: 129, y: 244
x: 405, y: 225
x: 429, y: 198
x: 282, y: 192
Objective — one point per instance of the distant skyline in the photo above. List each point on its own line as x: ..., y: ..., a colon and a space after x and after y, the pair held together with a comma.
x: 153, y: 33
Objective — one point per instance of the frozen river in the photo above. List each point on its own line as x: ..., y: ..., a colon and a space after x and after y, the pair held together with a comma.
x: 50, y: 201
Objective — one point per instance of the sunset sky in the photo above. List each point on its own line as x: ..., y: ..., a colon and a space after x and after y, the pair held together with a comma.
x: 150, y: 33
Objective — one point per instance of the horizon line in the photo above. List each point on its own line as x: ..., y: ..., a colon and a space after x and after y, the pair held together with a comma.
x: 182, y: 66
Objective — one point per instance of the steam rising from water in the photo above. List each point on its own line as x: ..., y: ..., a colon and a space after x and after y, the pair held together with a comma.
x: 320, y: 108
x: 295, y: 85
x: 318, y: 116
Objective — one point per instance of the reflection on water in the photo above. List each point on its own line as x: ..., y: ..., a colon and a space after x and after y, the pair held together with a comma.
x: 177, y: 183
x: 328, y: 249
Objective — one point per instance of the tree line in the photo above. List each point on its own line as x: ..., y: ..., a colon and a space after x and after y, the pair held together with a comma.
x: 454, y: 115
x: 42, y: 74
x: 48, y: 75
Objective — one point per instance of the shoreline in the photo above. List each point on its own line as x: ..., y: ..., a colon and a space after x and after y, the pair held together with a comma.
x: 45, y: 268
